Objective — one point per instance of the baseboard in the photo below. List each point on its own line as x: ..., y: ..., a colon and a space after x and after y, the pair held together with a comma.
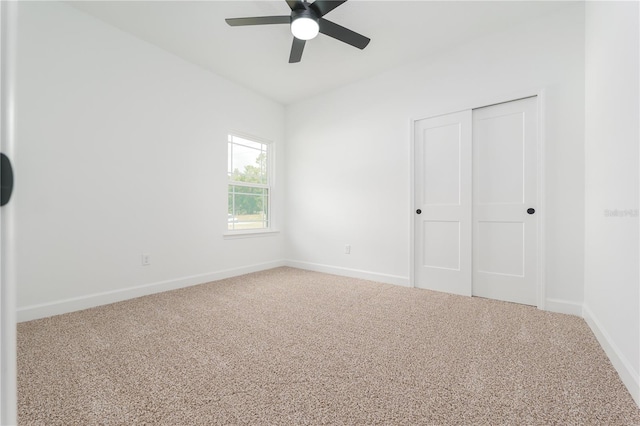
x: 628, y: 375
x: 44, y: 310
x: 348, y: 272
x: 563, y: 307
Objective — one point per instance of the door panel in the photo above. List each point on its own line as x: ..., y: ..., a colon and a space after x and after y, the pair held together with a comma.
x: 500, y: 248
x: 500, y: 156
x: 441, y: 245
x: 441, y: 159
x: 504, y: 186
x: 443, y: 196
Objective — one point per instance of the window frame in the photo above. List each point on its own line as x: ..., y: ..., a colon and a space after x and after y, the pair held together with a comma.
x: 269, y: 186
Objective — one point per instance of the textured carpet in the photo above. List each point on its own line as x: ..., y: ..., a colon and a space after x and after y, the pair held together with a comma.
x: 287, y: 346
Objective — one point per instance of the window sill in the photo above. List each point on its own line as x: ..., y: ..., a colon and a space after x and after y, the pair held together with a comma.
x: 232, y: 235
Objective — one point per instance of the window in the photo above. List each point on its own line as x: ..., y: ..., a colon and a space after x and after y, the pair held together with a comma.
x: 249, y: 173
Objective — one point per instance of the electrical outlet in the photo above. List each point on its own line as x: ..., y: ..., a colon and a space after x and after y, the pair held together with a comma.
x: 347, y: 249
x: 146, y: 259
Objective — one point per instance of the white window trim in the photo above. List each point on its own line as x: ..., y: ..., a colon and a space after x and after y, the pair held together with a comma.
x: 231, y: 234
x: 249, y: 233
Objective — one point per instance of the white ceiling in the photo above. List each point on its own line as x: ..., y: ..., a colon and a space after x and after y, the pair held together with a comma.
x: 257, y: 57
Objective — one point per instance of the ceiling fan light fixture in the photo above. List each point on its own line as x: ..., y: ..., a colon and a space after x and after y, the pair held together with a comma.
x: 305, y: 27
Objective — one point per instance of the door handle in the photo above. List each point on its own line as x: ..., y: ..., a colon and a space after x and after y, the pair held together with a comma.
x: 418, y: 211
x: 531, y: 211
x: 6, y: 179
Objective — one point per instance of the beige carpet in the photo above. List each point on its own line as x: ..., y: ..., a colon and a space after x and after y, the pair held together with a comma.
x: 289, y: 347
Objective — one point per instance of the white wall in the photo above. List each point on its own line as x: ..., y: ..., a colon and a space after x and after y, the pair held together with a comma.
x: 349, y: 168
x: 122, y: 151
x: 612, y: 276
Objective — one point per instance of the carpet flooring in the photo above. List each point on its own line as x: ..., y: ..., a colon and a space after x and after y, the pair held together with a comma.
x: 289, y: 347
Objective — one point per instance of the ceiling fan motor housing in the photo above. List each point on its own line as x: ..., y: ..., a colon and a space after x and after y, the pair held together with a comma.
x: 304, y: 13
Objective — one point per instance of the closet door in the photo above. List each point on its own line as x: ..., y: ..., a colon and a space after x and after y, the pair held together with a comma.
x: 505, y: 223
x: 442, y: 156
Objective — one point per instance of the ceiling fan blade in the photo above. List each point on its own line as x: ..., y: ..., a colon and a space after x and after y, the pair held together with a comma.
x: 259, y: 20
x: 322, y: 7
x: 343, y: 34
x: 296, y: 50
x: 294, y: 4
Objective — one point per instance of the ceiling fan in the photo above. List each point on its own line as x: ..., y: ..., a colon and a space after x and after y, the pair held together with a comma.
x: 307, y: 20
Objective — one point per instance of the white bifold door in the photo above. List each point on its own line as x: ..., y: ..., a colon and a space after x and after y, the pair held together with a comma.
x: 475, y: 196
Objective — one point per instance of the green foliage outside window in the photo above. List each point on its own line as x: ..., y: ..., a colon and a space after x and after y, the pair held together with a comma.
x: 248, y: 199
